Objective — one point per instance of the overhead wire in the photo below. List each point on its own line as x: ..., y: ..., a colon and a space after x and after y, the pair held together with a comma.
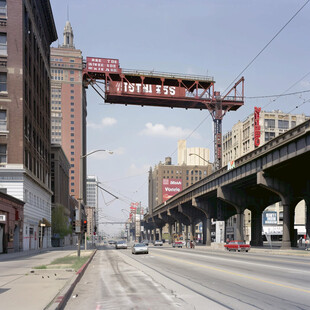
x: 263, y: 49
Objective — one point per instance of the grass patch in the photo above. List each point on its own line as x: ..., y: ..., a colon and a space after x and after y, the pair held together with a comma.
x: 73, y: 262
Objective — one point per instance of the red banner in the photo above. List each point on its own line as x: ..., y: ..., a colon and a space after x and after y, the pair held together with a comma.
x: 256, y: 126
x: 103, y: 65
x: 171, y: 187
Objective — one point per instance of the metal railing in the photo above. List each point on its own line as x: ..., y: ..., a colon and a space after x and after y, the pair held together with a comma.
x: 168, y: 75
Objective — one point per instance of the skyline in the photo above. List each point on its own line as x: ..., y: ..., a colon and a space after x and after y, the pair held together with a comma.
x: 177, y: 37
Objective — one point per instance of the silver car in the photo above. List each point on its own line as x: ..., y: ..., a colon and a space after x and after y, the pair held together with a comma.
x: 139, y: 248
x: 121, y: 245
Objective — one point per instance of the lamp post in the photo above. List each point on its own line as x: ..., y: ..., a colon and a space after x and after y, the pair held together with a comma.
x: 191, y: 154
x: 81, y: 198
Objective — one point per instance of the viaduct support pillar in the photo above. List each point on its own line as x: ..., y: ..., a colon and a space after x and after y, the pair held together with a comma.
x: 170, y: 232
x: 239, y: 226
x: 288, y: 226
x: 256, y: 227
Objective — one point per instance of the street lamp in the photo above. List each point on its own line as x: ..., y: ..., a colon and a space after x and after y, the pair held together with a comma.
x: 81, y: 198
x: 190, y: 154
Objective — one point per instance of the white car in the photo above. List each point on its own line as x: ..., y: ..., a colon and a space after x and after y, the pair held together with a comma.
x: 121, y: 245
x: 139, y: 248
x: 158, y: 242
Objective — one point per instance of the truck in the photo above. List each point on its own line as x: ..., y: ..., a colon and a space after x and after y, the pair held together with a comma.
x: 177, y: 241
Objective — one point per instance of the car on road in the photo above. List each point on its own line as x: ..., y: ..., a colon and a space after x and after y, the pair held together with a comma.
x: 121, y: 244
x: 111, y: 241
x: 237, y: 245
x: 158, y: 242
x: 177, y: 244
x: 146, y: 242
x: 139, y: 248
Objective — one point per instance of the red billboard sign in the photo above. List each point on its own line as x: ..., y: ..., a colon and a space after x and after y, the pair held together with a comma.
x: 256, y: 126
x: 102, y: 65
x: 145, y: 89
x: 171, y: 187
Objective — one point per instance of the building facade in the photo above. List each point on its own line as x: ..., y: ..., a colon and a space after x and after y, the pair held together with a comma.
x: 11, y: 224
x: 68, y: 108
x: 240, y: 140
x: 27, y: 30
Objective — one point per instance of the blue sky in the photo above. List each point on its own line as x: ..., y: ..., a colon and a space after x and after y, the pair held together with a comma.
x: 217, y: 38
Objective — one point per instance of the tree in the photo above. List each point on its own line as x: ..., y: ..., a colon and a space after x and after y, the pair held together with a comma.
x: 60, y: 222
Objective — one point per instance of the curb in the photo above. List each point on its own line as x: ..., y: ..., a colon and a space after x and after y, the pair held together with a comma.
x: 61, y: 299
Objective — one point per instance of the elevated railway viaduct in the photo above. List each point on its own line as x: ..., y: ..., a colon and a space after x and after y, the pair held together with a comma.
x: 277, y: 171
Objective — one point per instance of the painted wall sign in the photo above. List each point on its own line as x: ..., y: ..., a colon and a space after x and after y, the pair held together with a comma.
x: 171, y: 187
x: 103, y: 65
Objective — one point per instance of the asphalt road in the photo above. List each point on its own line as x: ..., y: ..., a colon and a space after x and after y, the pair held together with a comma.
x: 170, y: 278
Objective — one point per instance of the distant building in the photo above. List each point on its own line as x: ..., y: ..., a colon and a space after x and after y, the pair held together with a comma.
x: 165, y: 180
x: 60, y: 167
x: 68, y: 108
x: 92, y: 197
x: 240, y: 140
x: 27, y: 31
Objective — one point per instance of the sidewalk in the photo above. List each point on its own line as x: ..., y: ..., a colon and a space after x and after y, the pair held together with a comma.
x: 22, y: 287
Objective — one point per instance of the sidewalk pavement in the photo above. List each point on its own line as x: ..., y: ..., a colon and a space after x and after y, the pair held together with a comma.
x: 38, y: 289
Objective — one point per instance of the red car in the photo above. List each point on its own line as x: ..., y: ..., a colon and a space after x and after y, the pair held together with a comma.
x: 237, y: 245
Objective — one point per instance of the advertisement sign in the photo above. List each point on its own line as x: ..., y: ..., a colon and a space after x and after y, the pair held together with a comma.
x: 171, y: 187
x: 270, y: 218
x: 256, y: 126
x: 103, y: 65
x: 145, y: 89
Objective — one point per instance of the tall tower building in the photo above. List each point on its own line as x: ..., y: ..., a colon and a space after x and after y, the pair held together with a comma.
x: 68, y: 109
x: 92, y: 196
x: 27, y: 31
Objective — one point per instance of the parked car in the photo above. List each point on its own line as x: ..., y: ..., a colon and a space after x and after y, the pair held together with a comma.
x: 121, y: 245
x: 237, y: 245
x: 158, y: 242
x: 139, y: 248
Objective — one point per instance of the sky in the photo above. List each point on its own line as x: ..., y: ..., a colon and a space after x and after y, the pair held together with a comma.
x: 218, y: 38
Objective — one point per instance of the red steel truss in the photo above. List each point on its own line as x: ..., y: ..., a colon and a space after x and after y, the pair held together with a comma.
x: 149, y: 88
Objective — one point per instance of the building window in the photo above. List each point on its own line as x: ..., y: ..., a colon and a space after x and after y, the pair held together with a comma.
x: 269, y: 136
x: 283, y: 124
x: 71, y: 72
x: 72, y: 140
x: 3, y: 82
x: 72, y: 97
x: 3, y: 121
x: 72, y: 109
x: 3, y: 44
x: 71, y: 79
x: 72, y: 184
x: 3, y: 155
x: 3, y: 8
x: 72, y: 153
x: 293, y: 124
x: 72, y: 103
x: 270, y: 123
x: 72, y: 122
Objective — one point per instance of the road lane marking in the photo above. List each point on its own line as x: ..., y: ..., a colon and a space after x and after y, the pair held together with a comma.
x: 233, y: 273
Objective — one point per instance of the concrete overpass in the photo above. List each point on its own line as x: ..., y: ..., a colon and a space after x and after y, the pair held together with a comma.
x: 277, y: 171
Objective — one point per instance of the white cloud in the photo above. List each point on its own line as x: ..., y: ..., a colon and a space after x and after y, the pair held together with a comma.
x: 105, y: 122
x: 134, y: 170
x: 160, y: 130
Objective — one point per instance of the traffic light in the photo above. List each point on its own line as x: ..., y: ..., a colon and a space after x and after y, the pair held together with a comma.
x: 73, y: 226
x: 85, y: 226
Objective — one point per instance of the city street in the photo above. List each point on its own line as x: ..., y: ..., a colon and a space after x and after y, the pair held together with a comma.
x: 193, y: 279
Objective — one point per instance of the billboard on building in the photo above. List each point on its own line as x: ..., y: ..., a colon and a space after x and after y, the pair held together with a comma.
x: 257, y: 132
x: 102, y: 65
x: 171, y: 187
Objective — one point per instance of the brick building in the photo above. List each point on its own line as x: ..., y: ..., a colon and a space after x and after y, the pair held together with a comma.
x: 68, y: 108
x: 11, y: 224
x: 27, y: 30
